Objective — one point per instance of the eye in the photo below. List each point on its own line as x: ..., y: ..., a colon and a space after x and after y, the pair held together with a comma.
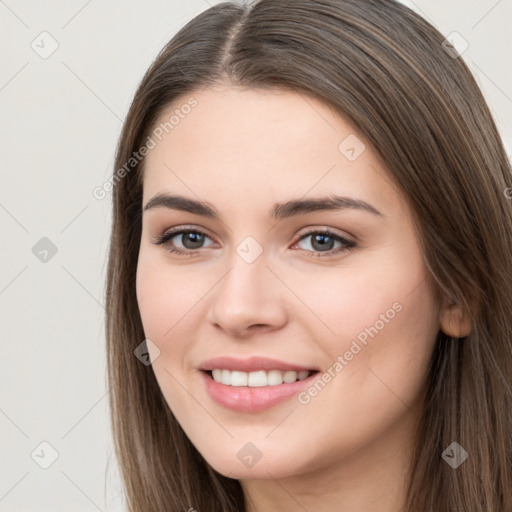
x: 322, y: 242
x: 190, y: 239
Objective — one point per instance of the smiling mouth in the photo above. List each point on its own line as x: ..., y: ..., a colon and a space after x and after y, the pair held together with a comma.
x: 259, y: 378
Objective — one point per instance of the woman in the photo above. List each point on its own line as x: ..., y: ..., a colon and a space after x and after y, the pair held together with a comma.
x: 310, y: 269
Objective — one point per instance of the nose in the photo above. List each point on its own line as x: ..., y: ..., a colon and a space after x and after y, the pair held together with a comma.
x: 249, y: 298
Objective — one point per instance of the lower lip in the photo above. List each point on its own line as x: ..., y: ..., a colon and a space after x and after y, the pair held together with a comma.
x: 253, y: 399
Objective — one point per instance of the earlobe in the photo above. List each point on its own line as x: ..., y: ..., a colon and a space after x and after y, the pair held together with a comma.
x: 455, y: 322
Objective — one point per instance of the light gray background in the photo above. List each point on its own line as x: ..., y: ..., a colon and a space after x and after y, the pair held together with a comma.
x: 60, y: 120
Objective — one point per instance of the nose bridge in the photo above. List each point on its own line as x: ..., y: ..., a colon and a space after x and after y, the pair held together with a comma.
x: 246, y: 285
x: 248, y: 294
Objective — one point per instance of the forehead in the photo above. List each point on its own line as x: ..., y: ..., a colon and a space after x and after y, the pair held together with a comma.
x: 236, y: 120
x: 258, y: 142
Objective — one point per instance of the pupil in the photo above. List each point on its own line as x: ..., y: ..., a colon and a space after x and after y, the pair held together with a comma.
x: 323, y: 243
x: 195, y: 238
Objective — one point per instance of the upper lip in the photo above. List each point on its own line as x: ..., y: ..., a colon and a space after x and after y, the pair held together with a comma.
x: 251, y: 364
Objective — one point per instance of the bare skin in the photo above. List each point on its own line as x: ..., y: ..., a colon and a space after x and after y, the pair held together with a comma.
x: 347, y: 446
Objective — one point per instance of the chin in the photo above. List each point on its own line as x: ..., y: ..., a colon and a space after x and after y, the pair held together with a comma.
x: 241, y: 465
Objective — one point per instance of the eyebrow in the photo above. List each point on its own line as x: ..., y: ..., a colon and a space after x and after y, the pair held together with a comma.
x: 279, y: 210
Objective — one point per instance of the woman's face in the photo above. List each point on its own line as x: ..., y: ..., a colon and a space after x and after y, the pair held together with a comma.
x: 262, y: 288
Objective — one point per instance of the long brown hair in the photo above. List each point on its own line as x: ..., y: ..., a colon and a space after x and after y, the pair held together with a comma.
x: 386, y: 70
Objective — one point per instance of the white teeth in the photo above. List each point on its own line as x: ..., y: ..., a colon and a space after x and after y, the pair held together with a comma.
x: 274, y: 378
x: 226, y: 377
x: 238, y: 378
x: 290, y: 377
x: 257, y: 379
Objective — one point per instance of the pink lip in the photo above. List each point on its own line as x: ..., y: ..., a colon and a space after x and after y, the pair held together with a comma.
x: 249, y: 399
x: 251, y: 364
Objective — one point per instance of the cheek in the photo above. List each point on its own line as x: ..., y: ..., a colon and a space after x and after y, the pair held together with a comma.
x: 383, y: 349
x: 166, y: 296
x: 344, y: 303
x: 152, y: 303
x: 166, y: 299
x: 381, y: 319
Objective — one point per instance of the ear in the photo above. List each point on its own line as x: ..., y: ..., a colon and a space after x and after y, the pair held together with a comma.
x: 454, y: 321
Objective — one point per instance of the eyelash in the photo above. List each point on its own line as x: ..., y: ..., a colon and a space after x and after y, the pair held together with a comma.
x: 166, y: 237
